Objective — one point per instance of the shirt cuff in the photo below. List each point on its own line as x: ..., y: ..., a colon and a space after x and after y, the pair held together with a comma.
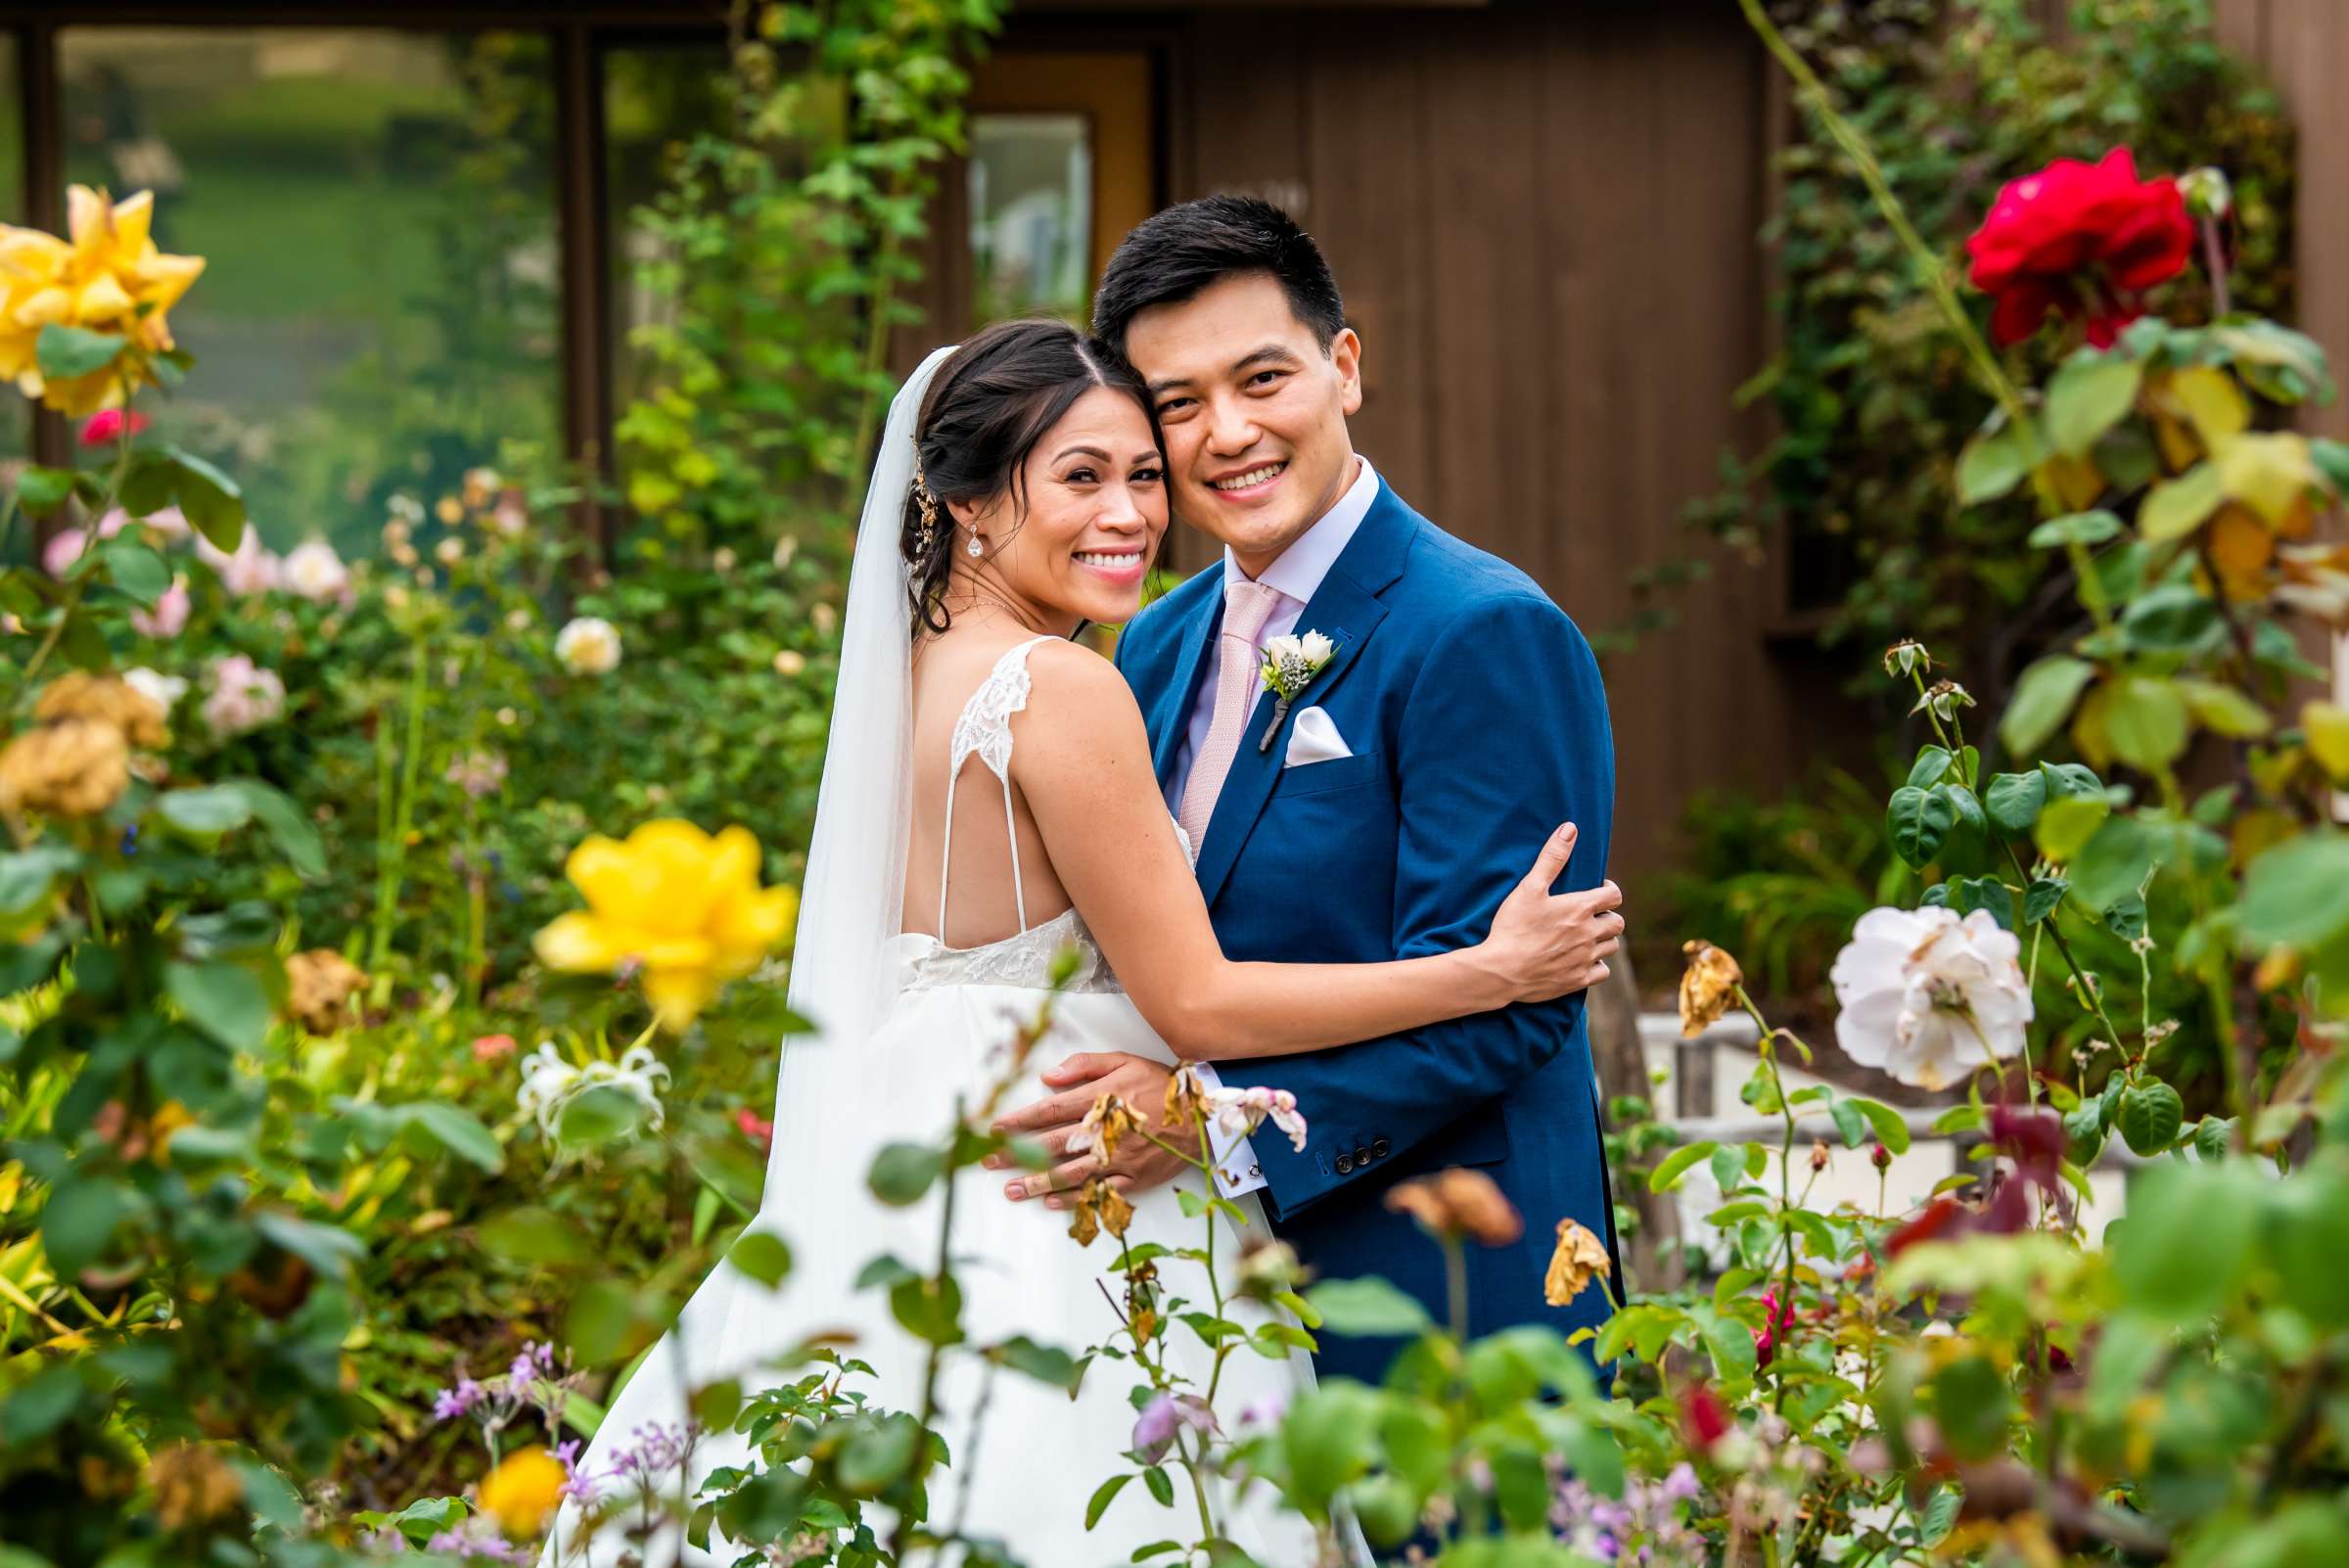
x: 1234, y: 1161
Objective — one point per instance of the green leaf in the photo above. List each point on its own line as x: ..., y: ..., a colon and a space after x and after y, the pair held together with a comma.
x: 2183, y: 1247
x: 880, y: 1454
x: 2087, y: 397
x: 2175, y: 508
x: 42, y: 491
x: 1367, y: 1307
x: 2084, y: 1133
x: 1918, y: 821
x: 295, y: 837
x: 2042, y: 899
x: 762, y: 1255
x: 458, y: 1130
x: 80, y: 1219
x: 930, y: 1309
x: 1103, y: 1496
x: 903, y: 1171
x: 1327, y: 1438
x: 2088, y: 529
x: 2297, y: 894
x: 2175, y: 618
x: 2225, y: 709
x: 136, y: 569
x: 1666, y: 1174
x: 2067, y: 826
x: 1931, y: 767
x: 2042, y: 699
x: 204, y: 812
x: 1972, y: 1405
x: 602, y: 1113
x: 211, y: 500
x: 2307, y: 1237
x: 1849, y: 1121
x: 1161, y: 1484
x: 2114, y: 862
x: 28, y: 876
x: 1047, y: 1364
x: 534, y: 1236
x: 2146, y: 719
x: 227, y: 1001
x: 2014, y: 801
x: 2151, y: 1115
x: 1990, y: 465
x: 1890, y: 1131
x: 65, y: 352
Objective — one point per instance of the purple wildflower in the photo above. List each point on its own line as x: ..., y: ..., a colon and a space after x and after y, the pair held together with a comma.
x: 451, y: 1402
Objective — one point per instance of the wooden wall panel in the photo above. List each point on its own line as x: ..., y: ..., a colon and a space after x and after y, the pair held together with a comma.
x: 1544, y: 219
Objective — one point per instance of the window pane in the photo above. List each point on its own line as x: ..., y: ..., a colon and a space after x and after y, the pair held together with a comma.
x: 656, y: 100
x: 1031, y: 215
x: 377, y: 212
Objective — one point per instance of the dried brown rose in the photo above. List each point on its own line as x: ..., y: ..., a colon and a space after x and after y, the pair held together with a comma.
x: 1708, y: 986
x: 317, y: 985
x: 1581, y: 1257
x: 193, y: 1486
x: 1459, y: 1203
x: 108, y: 699
x: 75, y: 768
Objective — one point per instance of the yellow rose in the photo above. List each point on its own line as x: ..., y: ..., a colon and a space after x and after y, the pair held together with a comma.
x: 523, y: 1493
x: 106, y: 276
x: 681, y: 907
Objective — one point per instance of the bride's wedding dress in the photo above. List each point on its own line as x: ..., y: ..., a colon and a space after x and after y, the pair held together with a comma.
x: 909, y: 1028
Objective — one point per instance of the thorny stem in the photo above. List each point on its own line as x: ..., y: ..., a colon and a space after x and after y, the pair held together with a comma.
x: 1768, y: 1047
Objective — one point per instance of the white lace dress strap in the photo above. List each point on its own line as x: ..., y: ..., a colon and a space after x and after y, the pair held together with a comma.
x: 984, y: 726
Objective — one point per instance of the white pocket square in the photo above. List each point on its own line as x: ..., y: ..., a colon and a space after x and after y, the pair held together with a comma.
x: 1312, y: 738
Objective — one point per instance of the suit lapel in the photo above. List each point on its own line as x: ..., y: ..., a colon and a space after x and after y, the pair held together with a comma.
x: 1169, y: 719
x: 1347, y: 610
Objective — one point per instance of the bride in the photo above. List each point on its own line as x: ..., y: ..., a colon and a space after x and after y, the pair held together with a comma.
x: 987, y: 803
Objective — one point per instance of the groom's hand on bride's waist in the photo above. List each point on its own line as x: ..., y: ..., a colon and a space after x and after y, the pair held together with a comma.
x: 1077, y: 1084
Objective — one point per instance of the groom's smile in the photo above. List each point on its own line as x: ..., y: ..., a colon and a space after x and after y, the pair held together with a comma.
x: 1253, y: 406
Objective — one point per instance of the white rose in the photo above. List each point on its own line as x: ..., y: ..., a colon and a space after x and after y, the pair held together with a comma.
x: 314, y: 570
x: 589, y: 646
x: 1316, y: 648
x: 1928, y: 997
x: 161, y: 689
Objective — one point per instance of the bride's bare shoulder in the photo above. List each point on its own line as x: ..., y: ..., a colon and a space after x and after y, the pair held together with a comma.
x: 1077, y: 698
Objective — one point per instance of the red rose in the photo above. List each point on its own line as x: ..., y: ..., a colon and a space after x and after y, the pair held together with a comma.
x: 2079, y: 240
x: 106, y: 425
x: 1703, y: 1418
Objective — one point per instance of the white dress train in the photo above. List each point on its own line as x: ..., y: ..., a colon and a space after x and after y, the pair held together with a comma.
x: 1031, y: 1467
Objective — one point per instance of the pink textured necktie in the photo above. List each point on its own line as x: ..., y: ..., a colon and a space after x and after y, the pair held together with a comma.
x: 1247, y: 605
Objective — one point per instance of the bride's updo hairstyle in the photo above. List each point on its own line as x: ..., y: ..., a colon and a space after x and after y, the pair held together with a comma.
x: 987, y: 406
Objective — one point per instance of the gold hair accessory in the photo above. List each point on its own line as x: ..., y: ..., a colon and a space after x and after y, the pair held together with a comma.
x: 928, y: 504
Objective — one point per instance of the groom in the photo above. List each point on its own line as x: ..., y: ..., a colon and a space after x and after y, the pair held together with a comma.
x: 1458, y: 719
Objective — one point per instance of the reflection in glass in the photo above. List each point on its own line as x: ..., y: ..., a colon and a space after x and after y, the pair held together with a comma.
x: 377, y: 210
x: 1031, y: 215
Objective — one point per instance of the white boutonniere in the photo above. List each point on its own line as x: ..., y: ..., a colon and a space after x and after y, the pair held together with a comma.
x: 1290, y: 666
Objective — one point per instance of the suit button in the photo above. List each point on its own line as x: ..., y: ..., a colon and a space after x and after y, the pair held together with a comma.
x: 1380, y: 1149
x: 1344, y: 1165
x: 1362, y: 1156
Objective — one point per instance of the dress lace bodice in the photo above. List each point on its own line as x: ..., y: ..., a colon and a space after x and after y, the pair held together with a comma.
x: 1024, y: 959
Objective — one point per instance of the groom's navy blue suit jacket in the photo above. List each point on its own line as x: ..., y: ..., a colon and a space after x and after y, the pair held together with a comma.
x: 1477, y: 722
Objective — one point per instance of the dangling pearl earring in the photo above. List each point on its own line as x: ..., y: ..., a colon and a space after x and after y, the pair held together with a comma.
x: 975, y: 548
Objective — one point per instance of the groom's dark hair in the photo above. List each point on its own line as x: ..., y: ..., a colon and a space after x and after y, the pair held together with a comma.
x: 1178, y: 253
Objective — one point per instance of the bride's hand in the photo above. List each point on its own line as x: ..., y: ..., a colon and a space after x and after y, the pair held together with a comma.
x: 1545, y: 945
